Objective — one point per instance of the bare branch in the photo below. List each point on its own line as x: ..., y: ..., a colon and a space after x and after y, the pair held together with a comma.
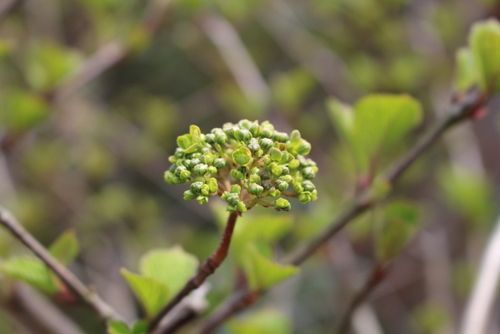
x: 67, y: 277
x: 206, y: 269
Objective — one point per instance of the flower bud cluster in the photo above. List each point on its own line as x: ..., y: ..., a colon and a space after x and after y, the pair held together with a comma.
x: 247, y: 163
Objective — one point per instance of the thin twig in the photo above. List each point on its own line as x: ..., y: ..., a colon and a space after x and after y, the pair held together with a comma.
x: 104, y: 311
x: 481, y: 300
x: 376, y: 276
x: 206, y: 269
x: 459, y: 111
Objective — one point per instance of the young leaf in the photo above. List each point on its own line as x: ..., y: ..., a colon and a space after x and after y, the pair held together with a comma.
x: 263, y: 321
x: 485, y: 44
x: 398, y: 225
x: 262, y: 273
x: 31, y: 271
x: 467, y: 71
x: 118, y: 327
x: 65, y: 248
x: 152, y: 293
x: 173, y: 267
x: 381, y: 122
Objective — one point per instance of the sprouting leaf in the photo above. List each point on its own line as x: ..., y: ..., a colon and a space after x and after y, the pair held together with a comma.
x: 467, y: 72
x: 65, y: 248
x: 172, y: 266
x: 263, y: 321
x: 398, y: 224
x: 484, y: 41
x: 31, y: 271
x: 152, y: 293
x: 263, y: 273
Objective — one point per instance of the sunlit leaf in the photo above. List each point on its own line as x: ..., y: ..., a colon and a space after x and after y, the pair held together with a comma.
x: 65, y: 248
x: 265, y: 321
x: 31, y: 271
x: 484, y: 41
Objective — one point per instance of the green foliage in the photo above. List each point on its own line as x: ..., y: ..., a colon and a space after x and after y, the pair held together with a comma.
x: 468, y: 194
x: 118, y: 327
x: 163, y: 272
x: 21, y: 110
x: 34, y: 272
x: 263, y: 273
x: 375, y: 126
x: 398, y: 224
x: 264, y: 321
x: 48, y: 64
x: 245, y: 164
x: 430, y: 318
x: 291, y: 89
x: 485, y: 45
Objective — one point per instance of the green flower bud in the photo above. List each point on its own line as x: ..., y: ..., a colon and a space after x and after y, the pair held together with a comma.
x: 308, y: 186
x: 219, y: 163
x: 184, y: 175
x: 241, y: 207
x: 282, y: 185
x: 309, y: 172
x: 171, y: 178
x: 305, y: 197
x: 281, y: 137
x: 210, y: 138
x: 212, y: 170
x: 273, y: 192
x: 200, y: 169
x: 266, y: 143
x: 205, y: 190
x: 282, y: 204
x: 189, y: 195
x: 196, y: 187
x: 286, y: 178
x: 245, y: 123
x: 294, y: 164
x: 220, y: 137
x: 275, y: 154
x: 202, y: 199
x: 255, y: 178
x: 237, y: 174
x: 235, y: 189
x: 242, y: 134
x: 276, y: 169
x: 213, y: 185
x: 255, y: 189
x: 242, y: 156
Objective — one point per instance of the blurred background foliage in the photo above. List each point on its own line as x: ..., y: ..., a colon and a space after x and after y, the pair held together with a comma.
x: 93, y: 94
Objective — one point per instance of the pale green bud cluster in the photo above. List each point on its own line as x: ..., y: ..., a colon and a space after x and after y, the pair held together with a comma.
x: 247, y: 163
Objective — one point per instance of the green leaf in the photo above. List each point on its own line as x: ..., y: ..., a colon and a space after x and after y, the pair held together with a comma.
x: 118, y: 327
x: 65, y: 248
x: 173, y: 267
x: 467, y: 73
x: 263, y: 273
x: 21, y: 111
x: 470, y: 194
x: 31, y: 271
x: 398, y: 225
x: 242, y: 156
x: 342, y: 117
x: 380, y: 123
x: 263, y: 321
x: 484, y: 41
x: 152, y: 293
x: 48, y: 64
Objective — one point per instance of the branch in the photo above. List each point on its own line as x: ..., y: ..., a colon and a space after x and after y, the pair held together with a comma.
x: 43, y: 316
x: 459, y: 111
x: 67, y: 277
x: 481, y: 300
x: 376, y: 276
x: 206, y: 269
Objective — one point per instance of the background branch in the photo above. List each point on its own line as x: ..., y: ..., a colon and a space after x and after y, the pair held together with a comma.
x: 68, y: 278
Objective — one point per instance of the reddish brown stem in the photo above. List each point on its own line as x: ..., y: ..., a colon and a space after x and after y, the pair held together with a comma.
x: 206, y: 269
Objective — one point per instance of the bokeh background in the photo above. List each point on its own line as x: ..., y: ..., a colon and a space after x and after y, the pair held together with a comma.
x: 93, y: 94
